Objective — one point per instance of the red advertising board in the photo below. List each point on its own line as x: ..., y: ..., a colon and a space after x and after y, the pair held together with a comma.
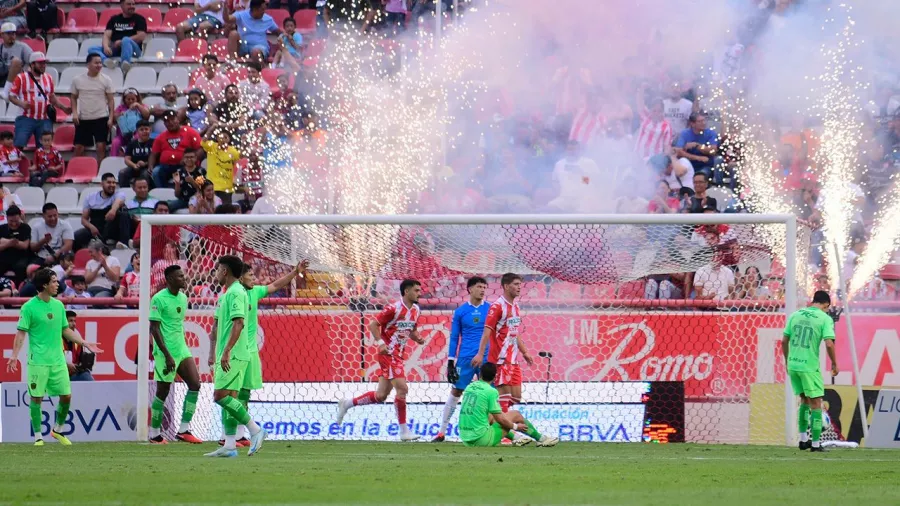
x: 715, y: 354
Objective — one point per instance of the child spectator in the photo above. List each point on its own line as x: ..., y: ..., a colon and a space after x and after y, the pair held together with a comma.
x: 137, y: 155
x: 129, y: 113
x: 47, y: 162
x: 222, y: 160
x: 289, y: 55
x: 65, y: 267
x: 77, y: 290
x: 10, y: 156
x: 187, y: 181
x: 7, y: 200
x: 130, y: 281
x: 194, y: 113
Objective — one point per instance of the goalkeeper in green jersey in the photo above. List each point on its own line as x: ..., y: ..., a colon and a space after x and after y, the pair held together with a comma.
x: 253, y: 379
x: 803, y: 335
x: 232, y: 357
x: 43, y: 320
x: 483, y: 423
x: 171, y: 355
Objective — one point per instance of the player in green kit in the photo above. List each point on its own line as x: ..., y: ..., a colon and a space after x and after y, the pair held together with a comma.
x: 804, y: 333
x: 253, y: 378
x: 483, y: 423
x: 171, y: 354
x: 232, y: 357
x: 43, y: 320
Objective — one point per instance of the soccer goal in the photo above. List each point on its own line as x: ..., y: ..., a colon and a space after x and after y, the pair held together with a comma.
x: 614, y: 307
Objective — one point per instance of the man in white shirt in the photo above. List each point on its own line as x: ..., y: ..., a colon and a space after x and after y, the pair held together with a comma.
x: 51, y: 238
x: 579, y: 180
x: 676, y: 108
x: 255, y: 93
x: 714, y: 281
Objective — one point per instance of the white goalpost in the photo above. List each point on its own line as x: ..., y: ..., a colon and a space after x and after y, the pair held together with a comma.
x: 606, y: 301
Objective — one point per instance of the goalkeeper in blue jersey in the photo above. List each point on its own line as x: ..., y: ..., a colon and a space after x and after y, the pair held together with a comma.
x: 465, y: 337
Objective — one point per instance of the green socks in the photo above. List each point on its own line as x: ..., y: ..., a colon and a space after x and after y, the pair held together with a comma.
x: 803, y: 419
x: 244, y: 397
x: 236, y: 410
x: 156, y: 413
x: 532, y: 432
x: 62, y: 409
x: 190, y: 405
x: 228, y: 422
x: 816, y: 419
x: 35, y: 408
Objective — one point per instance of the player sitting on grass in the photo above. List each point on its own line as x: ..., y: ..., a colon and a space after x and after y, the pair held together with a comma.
x: 43, y: 320
x: 253, y: 380
x: 232, y: 357
x: 390, y: 329
x: 171, y: 354
x: 465, y: 336
x: 483, y: 423
x: 804, y: 333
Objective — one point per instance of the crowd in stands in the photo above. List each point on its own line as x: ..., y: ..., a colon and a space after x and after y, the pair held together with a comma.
x: 196, y: 146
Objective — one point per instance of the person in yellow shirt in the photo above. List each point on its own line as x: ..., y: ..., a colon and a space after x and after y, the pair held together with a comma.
x: 222, y: 160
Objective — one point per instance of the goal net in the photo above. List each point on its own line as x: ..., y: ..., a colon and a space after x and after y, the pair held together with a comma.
x: 614, y: 308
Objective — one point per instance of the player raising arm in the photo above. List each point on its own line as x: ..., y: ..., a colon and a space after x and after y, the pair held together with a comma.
x: 803, y: 335
x: 483, y: 423
x: 171, y: 355
x: 501, y: 329
x: 232, y: 357
x: 43, y: 320
x: 465, y: 336
x: 390, y: 329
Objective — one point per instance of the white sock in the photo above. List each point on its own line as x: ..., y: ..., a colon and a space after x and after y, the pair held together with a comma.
x: 240, y: 432
x: 38, y: 437
x: 804, y: 437
x: 57, y: 428
x: 815, y: 444
x: 153, y: 432
x: 449, y: 408
x: 184, y: 427
x: 252, y: 427
x: 230, y: 443
x: 222, y: 436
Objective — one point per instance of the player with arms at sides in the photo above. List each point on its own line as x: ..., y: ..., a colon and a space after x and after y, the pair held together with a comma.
x: 232, y: 357
x: 465, y: 336
x: 43, y: 320
x: 803, y: 335
x: 483, y: 423
x: 501, y: 330
x: 171, y: 355
x: 253, y: 379
x: 390, y: 329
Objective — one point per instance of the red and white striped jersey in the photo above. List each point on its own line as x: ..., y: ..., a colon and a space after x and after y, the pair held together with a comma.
x: 586, y: 127
x: 397, y: 322
x: 24, y: 88
x: 504, y: 318
x: 654, y: 137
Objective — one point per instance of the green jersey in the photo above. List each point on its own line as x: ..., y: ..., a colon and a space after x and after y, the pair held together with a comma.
x: 232, y: 305
x: 479, y: 400
x: 806, y: 329
x: 169, y: 309
x: 44, y: 323
x: 254, y: 294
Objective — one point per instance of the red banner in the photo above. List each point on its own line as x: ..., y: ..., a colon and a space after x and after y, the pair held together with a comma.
x: 715, y: 354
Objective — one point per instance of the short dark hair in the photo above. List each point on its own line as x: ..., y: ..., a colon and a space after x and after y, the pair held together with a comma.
x: 48, y: 132
x: 246, y: 269
x: 68, y: 256
x: 253, y: 64
x: 187, y: 152
x: 160, y: 203
x: 821, y: 297
x: 488, y: 372
x: 77, y: 279
x: 407, y: 284
x: 210, y: 56
x: 143, y: 123
x: 224, y: 209
x: 49, y: 206
x: 6, y: 135
x: 256, y: 4
x: 91, y: 56
x: 474, y: 280
x: 234, y: 265
x: 107, y: 175
x: 142, y: 178
x: 288, y: 20
x: 171, y: 270
x: 508, y: 278
x: 70, y: 314
x: 703, y: 175
x: 42, y: 278
x: 695, y: 116
x: 13, y: 211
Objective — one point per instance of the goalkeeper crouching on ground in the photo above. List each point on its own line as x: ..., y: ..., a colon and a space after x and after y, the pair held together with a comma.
x: 483, y: 423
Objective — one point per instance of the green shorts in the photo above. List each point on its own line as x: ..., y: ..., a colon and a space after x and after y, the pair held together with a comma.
x: 253, y: 378
x: 233, y: 379
x: 807, y: 383
x: 52, y: 380
x: 159, y: 364
x: 492, y: 437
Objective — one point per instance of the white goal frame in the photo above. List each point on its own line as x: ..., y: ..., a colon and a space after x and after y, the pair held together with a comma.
x: 150, y: 220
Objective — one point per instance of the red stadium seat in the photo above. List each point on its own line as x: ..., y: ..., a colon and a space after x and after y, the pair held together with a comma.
x: 890, y: 272
x: 105, y: 16
x: 597, y: 292
x: 279, y: 15
x: 81, y: 20
x: 24, y: 168
x: 81, y: 258
x: 35, y: 44
x: 64, y: 137
x: 175, y: 17
x: 61, y: 116
x: 270, y: 76
x: 563, y: 290
x: 81, y: 169
x: 190, y: 50
x: 631, y: 290
x: 154, y: 18
x: 220, y: 49
x: 315, y: 48
x: 534, y: 291
x: 306, y: 21
x: 60, y: 21
x: 482, y: 261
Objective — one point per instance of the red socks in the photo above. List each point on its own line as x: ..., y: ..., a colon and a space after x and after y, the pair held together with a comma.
x: 400, y: 404
x: 505, y: 400
x: 366, y: 398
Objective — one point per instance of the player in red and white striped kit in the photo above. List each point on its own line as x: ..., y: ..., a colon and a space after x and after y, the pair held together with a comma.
x: 502, y: 328
x: 390, y: 330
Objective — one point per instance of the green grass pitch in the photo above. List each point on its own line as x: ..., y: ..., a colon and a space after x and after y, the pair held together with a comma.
x: 394, y: 473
